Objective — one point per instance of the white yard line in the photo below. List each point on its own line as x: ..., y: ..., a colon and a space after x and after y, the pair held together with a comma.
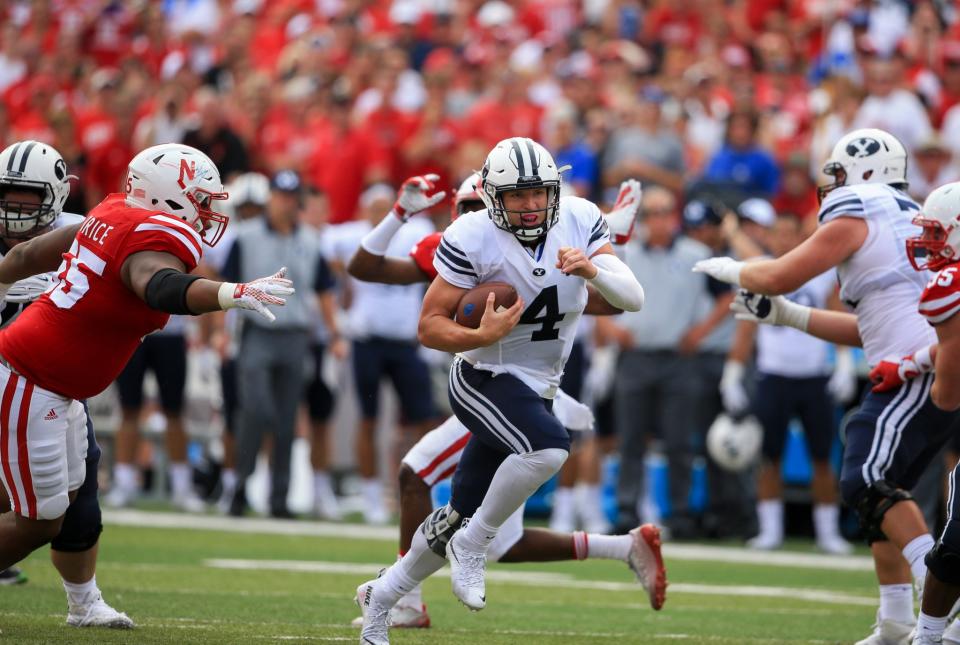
x: 549, y: 579
x: 688, y: 552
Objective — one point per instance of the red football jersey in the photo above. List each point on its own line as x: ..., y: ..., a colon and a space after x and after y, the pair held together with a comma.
x: 941, y: 299
x: 78, y: 336
x: 423, y: 253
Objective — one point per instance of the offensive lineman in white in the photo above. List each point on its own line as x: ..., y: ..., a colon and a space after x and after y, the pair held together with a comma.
x: 865, y: 221
x: 507, y: 371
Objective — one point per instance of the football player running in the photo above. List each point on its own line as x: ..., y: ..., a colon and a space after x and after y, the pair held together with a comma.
x: 122, y: 272
x: 864, y: 221
x: 507, y: 371
x: 32, y: 195
x: 937, y: 249
x: 436, y: 455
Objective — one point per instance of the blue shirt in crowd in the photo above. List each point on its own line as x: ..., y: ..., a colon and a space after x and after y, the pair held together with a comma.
x: 753, y: 170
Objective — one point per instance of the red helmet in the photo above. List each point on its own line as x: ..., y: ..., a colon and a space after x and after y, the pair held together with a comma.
x: 467, y: 198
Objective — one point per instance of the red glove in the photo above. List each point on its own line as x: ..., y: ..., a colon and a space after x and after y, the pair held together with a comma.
x: 885, y: 376
x: 422, y: 254
x: 413, y: 196
x: 888, y: 375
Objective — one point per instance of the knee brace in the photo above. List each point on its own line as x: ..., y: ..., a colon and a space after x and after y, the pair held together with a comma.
x: 944, y: 563
x: 49, y: 474
x: 873, y: 503
x: 439, y: 527
x: 81, y: 523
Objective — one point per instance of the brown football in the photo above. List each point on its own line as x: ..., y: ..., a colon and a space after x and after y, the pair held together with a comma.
x: 472, y: 303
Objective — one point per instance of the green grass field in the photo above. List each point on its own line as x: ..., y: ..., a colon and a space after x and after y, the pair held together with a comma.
x: 184, y: 585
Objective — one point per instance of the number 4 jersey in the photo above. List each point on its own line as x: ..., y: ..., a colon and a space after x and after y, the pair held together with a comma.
x: 79, y: 335
x: 473, y: 251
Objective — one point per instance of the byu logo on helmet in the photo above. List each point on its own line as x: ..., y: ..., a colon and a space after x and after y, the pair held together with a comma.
x: 863, y: 148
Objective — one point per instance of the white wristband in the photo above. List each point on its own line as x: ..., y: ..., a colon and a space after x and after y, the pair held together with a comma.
x: 225, y: 295
x: 616, y: 282
x: 732, y: 372
x: 923, y: 360
x: 794, y: 315
x: 378, y: 240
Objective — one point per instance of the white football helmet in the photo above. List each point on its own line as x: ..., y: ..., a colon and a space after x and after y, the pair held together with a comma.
x: 468, y: 197
x: 734, y: 445
x: 36, y: 167
x: 939, y: 243
x: 865, y: 156
x: 515, y: 164
x: 181, y: 181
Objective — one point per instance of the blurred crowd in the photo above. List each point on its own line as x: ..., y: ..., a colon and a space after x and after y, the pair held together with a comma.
x: 723, y: 109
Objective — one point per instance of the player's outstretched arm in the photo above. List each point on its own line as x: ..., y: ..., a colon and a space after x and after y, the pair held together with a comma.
x: 39, y: 255
x: 837, y: 327
x: 438, y: 330
x: 370, y: 263
x: 159, y: 280
x: 830, y: 245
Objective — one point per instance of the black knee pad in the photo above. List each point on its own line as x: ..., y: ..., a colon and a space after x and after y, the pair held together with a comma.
x: 439, y: 527
x: 873, y: 503
x: 82, y: 522
x: 944, y: 563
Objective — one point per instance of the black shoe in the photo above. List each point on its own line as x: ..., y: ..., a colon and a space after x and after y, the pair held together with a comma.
x: 12, y: 576
x: 238, y: 505
x: 282, y: 514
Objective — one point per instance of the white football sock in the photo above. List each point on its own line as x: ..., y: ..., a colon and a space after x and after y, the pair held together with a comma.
x: 770, y: 517
x: 896, y: 603
x: 412, y: 569
x: 914, y: 553
x: 180, y: 479
x: 125, y: 477
x: 826, y: 520
x: 930, y: 625
x: 608, y: 547
x: 78, y: 594
x: 563, y: 501
x: 588, y: 501
x: 517, y: 478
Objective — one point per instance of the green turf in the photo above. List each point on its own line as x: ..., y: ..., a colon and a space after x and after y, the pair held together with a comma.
x: 161, y: 579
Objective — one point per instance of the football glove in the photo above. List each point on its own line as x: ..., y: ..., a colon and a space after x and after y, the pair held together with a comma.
x: 413, y: 196
x: 29, y: 289
x: 723, y: 269
x: 621, y: 218
x: 770, y: 310
x: 889, y: 375
x: 257, y: 294
x: 842, y: 386
x: 732, y: 392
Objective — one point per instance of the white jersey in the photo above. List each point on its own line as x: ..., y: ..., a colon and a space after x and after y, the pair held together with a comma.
x: 473, y: 251
x: 878, y: 280
x: 381, y: 310
x: 785, y: 351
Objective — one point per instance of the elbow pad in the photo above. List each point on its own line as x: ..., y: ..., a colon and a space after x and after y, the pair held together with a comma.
x: 616, y: 282
x: 167, y: 291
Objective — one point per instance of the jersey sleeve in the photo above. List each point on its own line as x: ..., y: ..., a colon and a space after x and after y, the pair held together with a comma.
x: 423, y: 253
x: 841, y: 202
x: 941, y: 299
x: 599, y: 231
x: 452, y: 261
x: 164, y: 234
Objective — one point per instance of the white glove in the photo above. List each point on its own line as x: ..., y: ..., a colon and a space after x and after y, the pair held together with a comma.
x: 842, y: 386
x: 602, y: 372
x: 624, y: 213
x: 29, y: 289
x: 257, y: 294
x: 723, y: 269
x: 770, y: 310
x: 732, y: 392
x: 413, y: 197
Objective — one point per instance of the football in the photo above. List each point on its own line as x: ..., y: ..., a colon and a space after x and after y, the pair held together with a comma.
x: 472, y: 303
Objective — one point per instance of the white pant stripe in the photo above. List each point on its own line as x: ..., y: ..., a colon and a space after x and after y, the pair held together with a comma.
x: 464, y: 399
x: 490, y: 407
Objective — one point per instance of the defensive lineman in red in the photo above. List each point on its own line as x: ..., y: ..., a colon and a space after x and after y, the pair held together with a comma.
x: 122, y: 272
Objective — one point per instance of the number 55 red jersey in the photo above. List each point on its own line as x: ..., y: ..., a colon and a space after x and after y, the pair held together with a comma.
x: 79, y: 335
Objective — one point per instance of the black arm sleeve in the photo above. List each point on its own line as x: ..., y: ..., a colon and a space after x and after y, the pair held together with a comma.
x: 167, y: 291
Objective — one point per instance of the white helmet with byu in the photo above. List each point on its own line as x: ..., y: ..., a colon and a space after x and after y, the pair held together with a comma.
x: 181, y: 181
x: 516, y: 164
x: 866, y: 156
x: 36, y: 167
x: 734, y: 445
x: 939, y: 244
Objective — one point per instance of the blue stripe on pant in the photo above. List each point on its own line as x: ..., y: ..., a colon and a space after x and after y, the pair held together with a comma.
x: 893, y: 436
x: 505, y: 417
